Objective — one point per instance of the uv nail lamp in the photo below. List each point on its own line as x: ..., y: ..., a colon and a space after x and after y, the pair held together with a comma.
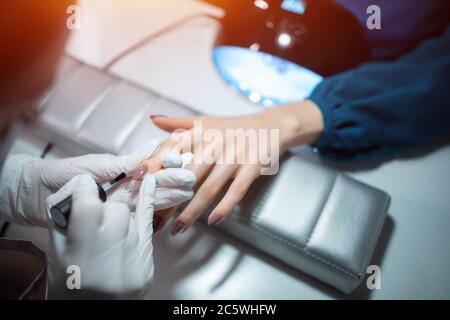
x: 276, y: 52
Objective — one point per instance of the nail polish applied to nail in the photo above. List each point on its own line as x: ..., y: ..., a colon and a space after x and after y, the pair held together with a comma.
x: 214, y: 219
x: 153, y: 116
x: 179, y: 227
x: 140, y: 172
x: 157, y: 223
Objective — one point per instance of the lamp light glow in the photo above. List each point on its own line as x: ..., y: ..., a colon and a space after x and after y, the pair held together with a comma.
x: 284, y: 40
x: 264, y: 78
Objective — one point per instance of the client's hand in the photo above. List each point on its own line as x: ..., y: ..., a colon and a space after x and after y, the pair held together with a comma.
x: 242, y: 148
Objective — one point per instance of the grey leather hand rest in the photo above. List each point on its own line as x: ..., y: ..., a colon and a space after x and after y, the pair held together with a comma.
x: 311, y: 217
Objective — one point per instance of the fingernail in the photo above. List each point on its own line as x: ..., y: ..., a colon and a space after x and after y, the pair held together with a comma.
x: 157, y: 222
x: 157, y: 116
x: 140, y: 172
x: 214, y: 219
x: 179, y: 227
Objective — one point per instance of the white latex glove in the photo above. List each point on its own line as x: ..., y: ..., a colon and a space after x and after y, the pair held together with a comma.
x: 26, y: 181
x: 111, y: 245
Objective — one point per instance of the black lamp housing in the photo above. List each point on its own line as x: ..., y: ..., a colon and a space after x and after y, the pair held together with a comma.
x: 319, y: 35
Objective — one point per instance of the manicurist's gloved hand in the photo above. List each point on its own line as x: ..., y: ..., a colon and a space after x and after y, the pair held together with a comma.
x: 109, y: 246
x: 26, y: 181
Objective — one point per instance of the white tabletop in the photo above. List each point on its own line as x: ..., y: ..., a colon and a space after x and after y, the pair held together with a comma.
x: 204, y: 263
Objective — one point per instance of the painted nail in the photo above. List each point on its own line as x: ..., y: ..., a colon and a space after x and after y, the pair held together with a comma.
x: 153, y: 116
x: 157, y: 223
x: 179, y: 227
x: 214, y: 219
x: 140, y: 172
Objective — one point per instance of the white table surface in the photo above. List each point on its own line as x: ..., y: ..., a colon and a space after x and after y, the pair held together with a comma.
x: 204, y: 263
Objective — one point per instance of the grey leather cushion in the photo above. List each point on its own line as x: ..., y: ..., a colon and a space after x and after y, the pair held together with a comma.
x: 313, y: 218
x: 98, y: 112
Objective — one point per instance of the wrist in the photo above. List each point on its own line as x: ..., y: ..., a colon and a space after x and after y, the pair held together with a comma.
x: 13, y: 207
x: 299, y: 123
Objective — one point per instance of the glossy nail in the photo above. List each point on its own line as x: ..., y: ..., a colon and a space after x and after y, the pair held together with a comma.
x: 140, y: 172
x: 153, y: 116
x: 214, y: 219
x: 157, y: 223
x: 179, y: 227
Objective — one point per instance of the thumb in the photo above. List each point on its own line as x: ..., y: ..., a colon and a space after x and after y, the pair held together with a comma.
x: 144, y: 210
x: 172, y: 124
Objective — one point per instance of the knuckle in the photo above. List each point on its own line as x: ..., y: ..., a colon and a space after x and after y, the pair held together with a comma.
x: 168, y: 144
x: 240, y: 189
x: 208, y: 191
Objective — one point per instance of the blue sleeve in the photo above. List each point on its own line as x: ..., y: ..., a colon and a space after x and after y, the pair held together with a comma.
x: 381, y: 107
